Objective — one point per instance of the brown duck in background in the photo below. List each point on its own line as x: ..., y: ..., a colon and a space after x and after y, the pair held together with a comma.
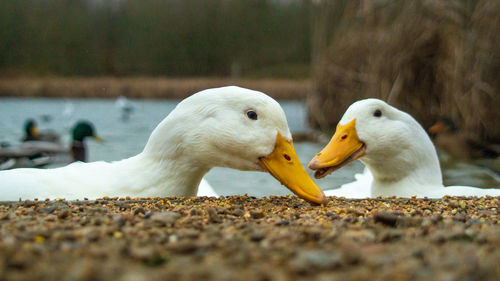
x: 32, y: 133
x: 447, y: 136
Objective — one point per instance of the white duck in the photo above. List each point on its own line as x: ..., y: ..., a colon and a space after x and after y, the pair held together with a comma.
x: 396, y: 150
x: 226, y: 127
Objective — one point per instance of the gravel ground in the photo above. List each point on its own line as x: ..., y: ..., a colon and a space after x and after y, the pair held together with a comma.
x: 244, y: 238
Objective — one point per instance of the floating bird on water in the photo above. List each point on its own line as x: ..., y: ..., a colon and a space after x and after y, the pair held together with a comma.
x: 32, y: 133
x: 81, y: 131
x: 125, y: 107
x: 37, y: 153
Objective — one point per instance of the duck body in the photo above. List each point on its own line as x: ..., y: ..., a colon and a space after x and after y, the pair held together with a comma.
x: 225, y: 127
x: 30, y: 154
x: 39, y: 153
x: 358, y: 189
x: 408, y: 188
x: 32, y: 133
x: 364, y: 187
x: 132, y: 176
x: 395, y: 148
x: 205, y: 189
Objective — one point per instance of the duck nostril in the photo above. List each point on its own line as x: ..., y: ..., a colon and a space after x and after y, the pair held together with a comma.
x: 287, y: 157
x: 344, y: 137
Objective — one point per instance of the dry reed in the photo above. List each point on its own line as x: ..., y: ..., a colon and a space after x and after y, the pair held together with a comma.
x: 108, y: 87
x: 429, y: 58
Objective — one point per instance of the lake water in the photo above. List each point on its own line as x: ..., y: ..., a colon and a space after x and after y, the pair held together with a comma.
x: 125, y: 138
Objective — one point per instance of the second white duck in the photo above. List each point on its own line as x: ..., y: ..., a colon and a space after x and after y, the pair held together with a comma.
x: 396, y: 149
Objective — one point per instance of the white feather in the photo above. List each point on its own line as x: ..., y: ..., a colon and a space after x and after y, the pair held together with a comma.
x: 208, y: 129
x: 205, y: 189
x: 358, y: 189
x: 400, y: 156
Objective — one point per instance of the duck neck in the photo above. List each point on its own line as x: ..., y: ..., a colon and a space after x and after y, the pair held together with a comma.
x: 171, y: 162
x: 167, y: 176
x: 79, y: 151
x: 411, y: 172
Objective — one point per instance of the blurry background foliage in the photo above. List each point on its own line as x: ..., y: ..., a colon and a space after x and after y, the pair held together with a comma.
x: 429, y: 58
x: 155, y: 37
x: 432, y: 58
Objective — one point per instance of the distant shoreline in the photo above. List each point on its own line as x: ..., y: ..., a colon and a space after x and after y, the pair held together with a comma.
x: 143, y: 87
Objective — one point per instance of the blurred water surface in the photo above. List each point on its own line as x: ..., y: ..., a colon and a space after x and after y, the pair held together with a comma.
x: 126, y: 137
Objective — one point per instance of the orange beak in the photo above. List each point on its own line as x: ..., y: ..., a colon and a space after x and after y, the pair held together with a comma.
x: 34, y: 131
x: 97, y: 138
x: 344, y: 148
x: 284, y: 165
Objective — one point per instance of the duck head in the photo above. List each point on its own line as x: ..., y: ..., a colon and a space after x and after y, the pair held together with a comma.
x: 235, y: 128
x: 31, y: 129
x: 84, y: 129
x: 389, y: 141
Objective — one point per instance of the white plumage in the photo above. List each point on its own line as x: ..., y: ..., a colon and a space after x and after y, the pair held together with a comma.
x: 401, y: 158
x: 208, y: 129
x: 205, y: 189
x: 358, y: 189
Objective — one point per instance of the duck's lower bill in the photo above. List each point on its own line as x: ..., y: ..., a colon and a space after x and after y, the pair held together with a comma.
x: 284, y: 165
x: 344, y: 148
x: 97, y: 138
x: 35, y: 131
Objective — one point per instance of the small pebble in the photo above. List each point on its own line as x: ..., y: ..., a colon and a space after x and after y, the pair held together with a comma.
x: 165, y: 218
x: 214, y: 217
x: 238, y: 212
x: 257, y: 214
x: 386, y: 218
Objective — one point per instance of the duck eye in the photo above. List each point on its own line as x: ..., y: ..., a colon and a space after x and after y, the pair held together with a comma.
x: 252, y: 114
x: 377, y: 113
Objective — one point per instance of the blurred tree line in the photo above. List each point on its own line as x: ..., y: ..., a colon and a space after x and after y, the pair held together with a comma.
x: 155, y: 37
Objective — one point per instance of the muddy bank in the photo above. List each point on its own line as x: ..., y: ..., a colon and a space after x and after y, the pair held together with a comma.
x: 243, y: 238
x: 154, y: 88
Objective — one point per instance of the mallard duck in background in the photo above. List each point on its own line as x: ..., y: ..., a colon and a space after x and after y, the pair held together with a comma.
x: 224, y: 127
x: 398, y: 152
x: 81, y: 131
x: 446, y: 135
x: 37, y: 154
x: 32, y: 133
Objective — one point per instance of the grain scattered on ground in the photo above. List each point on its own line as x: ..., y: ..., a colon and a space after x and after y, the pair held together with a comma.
x: 244, y: 238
